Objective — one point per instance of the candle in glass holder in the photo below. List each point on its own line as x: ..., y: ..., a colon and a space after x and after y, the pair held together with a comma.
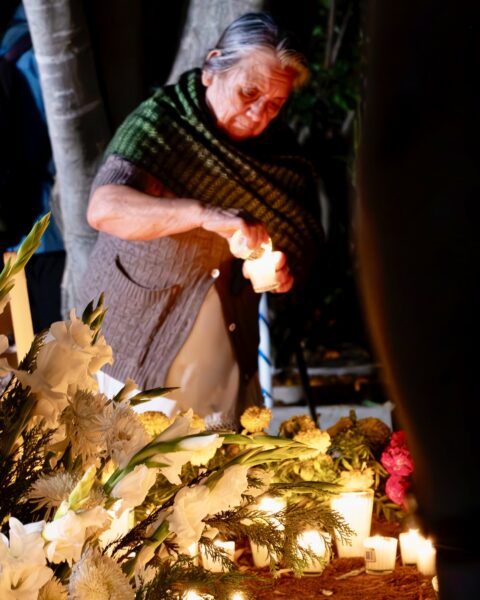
x: 262, y: 270
x: 426, y: 557
x: 356, y: 510
x: 216, y: 566
x: 316, y: 542
x: 269, y: 505
x: 380, y: 554
x: 409, y: 543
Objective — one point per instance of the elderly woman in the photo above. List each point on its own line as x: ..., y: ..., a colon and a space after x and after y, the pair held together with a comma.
x: 193, y: 164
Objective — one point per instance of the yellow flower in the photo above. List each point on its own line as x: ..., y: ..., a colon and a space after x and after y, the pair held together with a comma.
x: 356, y: 480
x: 256, y: 419
x: 314, y: 438
x: 197, y: 421
x: 154, y: 422
x: 296, y: 424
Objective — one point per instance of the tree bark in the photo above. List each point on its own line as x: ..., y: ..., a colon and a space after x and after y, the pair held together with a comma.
x: 76, y: 121
x: 206, y: 20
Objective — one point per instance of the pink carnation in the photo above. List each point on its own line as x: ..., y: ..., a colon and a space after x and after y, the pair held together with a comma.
x: 397, y: 461
x: 396, y: 488
x: 398, y: 438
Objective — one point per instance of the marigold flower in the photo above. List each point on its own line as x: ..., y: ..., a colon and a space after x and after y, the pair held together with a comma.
x: 256, y: 419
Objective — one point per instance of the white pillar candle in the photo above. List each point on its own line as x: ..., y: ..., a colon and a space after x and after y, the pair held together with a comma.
x: 269, y: 505
x: 409, y: 543
x: 210, y: 564
x: 380, y: 554
x: 356, y: 509
x: 262, y: 271
x: 316, y: 542
x: 426, y: 558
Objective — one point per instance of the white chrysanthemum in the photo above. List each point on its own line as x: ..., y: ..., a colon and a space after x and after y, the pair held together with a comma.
x: 67, y: 358
x: 53, y: 590
x: 67, y: 534
x: 133, y: 488
x: 85, y: 427
x: 23, y: 569
x: 51, y: 490
x: 99, y: 577
x: 125, y: 434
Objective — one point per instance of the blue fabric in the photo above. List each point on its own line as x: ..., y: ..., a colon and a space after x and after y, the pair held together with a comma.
x: 36, y: 142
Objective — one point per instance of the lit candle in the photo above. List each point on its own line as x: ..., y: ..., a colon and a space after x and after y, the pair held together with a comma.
x: 380, y: 554
x: 316, y: 542
x: 269, y: 505
x: 409, y: 543
x: 192, y: 595
x: 262, y: 270
x: 216, y: 566
x: 193, y: 552
x: 426, y: 557
x: 356, y: 510
x: 238, y: 596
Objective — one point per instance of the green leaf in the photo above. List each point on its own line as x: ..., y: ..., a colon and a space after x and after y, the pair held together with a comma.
x: 149, y: 394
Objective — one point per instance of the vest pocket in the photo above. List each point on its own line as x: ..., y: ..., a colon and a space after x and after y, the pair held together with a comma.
x: 134, y: 316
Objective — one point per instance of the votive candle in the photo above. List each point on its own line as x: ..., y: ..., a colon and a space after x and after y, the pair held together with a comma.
x: 380, y: 554
x: 316, y: 542
x: 270, y: 505
x: 216, y: 566
x: 410, y: 541
x: 426, y: 558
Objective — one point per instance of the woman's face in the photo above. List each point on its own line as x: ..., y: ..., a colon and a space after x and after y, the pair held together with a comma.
x: 247, y: 97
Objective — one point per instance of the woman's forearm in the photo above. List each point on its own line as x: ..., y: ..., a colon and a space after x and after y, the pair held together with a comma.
x: 129, y: 214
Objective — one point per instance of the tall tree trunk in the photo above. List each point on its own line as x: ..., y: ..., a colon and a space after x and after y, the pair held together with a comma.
x: 206, y: 19
x: 76, y: 121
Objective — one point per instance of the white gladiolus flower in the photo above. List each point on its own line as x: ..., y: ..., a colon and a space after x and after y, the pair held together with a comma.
x: 23, y: 569
x: 179, y: 428
x: 66, y: 535
x: 193, y: 504
x: 227, y: 492
x: 133, y: 488
x: 190, y: 507
x: 67, y: 358
x: 195, y: 450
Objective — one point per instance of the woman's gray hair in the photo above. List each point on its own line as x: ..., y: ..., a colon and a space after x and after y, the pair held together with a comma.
x: 256, y: 31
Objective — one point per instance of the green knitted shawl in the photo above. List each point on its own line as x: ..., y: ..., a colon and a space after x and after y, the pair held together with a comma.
x: 173, y: 136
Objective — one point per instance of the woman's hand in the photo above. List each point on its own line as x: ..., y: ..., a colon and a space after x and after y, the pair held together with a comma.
x: 225, y: 222
x: 282, y: 273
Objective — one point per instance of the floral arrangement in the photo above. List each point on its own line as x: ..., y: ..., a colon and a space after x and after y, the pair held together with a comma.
x: 100, y: 502
x: 356, y: 454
